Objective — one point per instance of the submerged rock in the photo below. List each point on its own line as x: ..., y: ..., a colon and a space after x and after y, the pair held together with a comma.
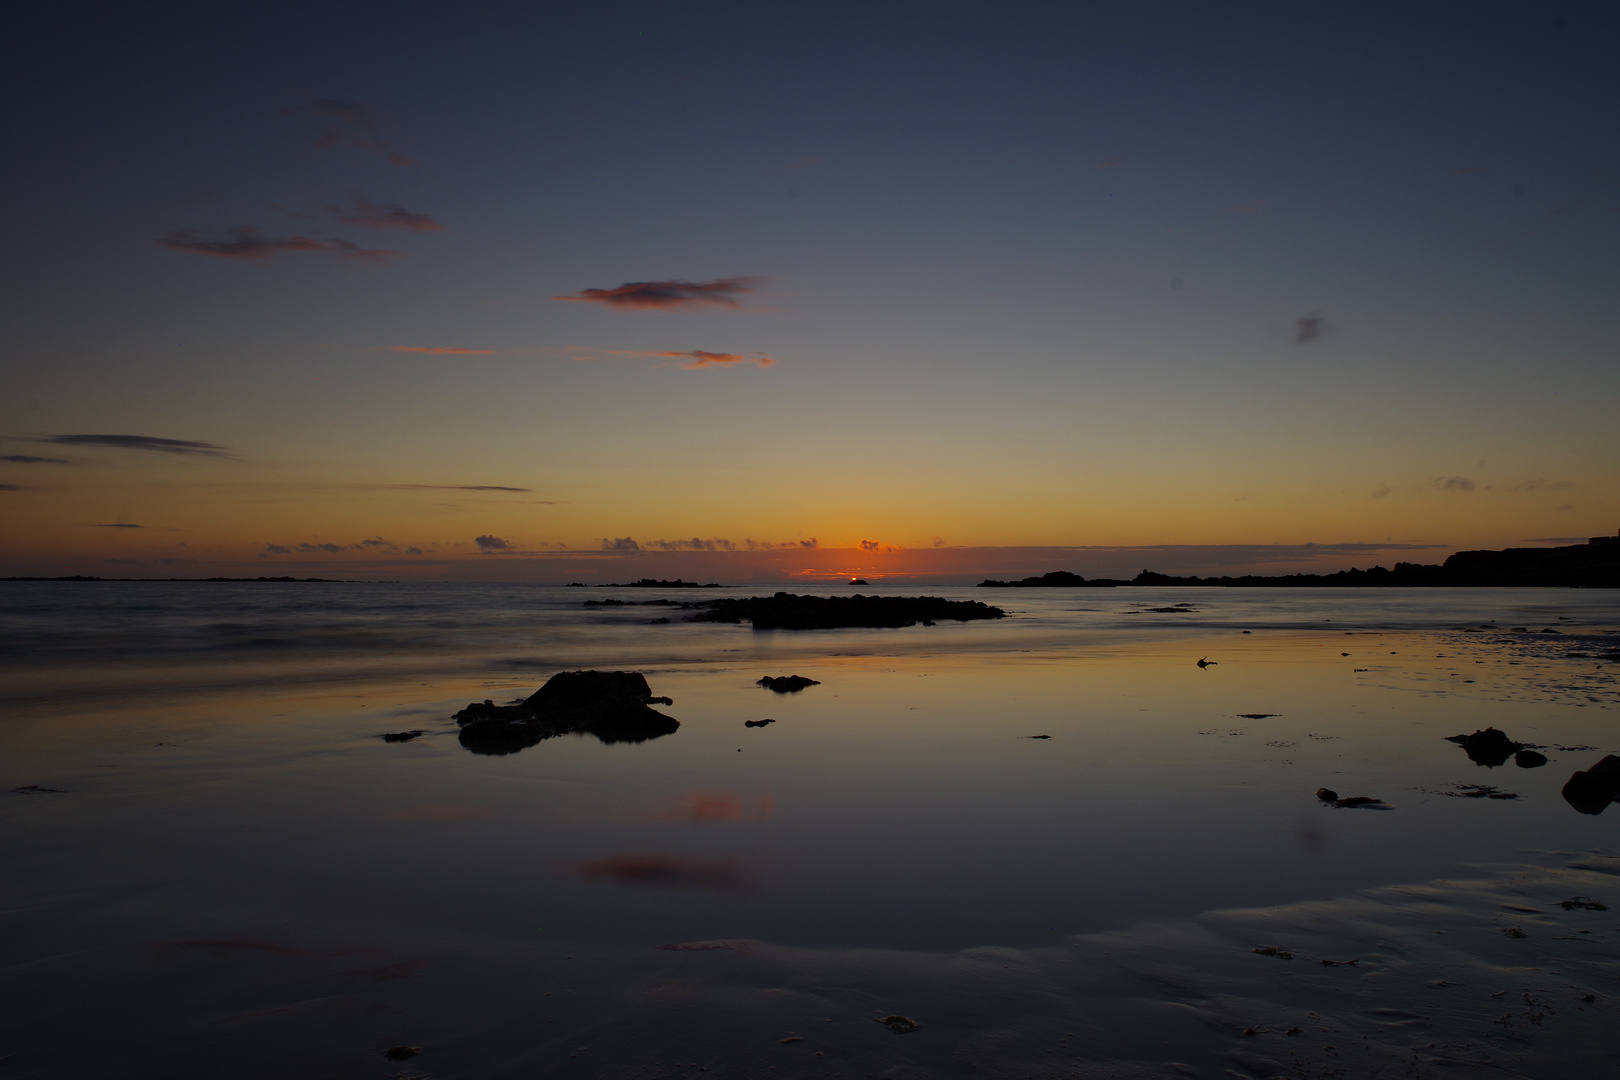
x: 614, y: 706
x: 786, y: 684
x: 1529, y: 759
x: 402, y: 736
x: 1489, y: 748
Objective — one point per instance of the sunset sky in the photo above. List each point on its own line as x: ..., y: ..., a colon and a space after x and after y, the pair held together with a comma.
x: 586, y: 291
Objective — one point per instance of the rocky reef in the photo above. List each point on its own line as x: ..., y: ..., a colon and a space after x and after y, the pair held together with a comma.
x: 790, y: 611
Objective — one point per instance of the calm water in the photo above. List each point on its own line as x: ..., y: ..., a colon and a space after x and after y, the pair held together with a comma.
x: 217, y: 752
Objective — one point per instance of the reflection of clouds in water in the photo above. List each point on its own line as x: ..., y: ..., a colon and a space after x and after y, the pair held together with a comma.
x: 668, y: 872
x: 439, y: 813
x: 701, y: 806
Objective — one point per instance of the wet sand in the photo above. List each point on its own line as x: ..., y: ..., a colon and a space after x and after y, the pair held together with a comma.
x: 253, y: 883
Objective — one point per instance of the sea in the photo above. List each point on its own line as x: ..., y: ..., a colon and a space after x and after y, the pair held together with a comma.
x: 205, y: 762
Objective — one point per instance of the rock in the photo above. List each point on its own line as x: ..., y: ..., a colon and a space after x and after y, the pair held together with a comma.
x: 790, y: 611
x: 1591, y: 791
x: 858, y: 581
x: 1489, y: 748
x: 401, y: 1053
x: 402, y: 736
x: 757, y: 723
x: 1327, y: 794
x: 1363, y: 800
x: 900, y: 1025
x: 1529, y: 759
x: 786, y: 684
x: 659, y: 622
x: 614, y: 706
x: 1205, y: 662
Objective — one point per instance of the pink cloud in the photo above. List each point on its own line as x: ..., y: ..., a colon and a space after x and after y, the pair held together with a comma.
x: 671, y: 295
x: 353, y: 123
x: 248, y: 244
x: 370, y: 215
x: 699, y: 358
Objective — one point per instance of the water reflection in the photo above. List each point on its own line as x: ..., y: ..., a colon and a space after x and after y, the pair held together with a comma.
x: 668, y: 872
x: 706, y: 806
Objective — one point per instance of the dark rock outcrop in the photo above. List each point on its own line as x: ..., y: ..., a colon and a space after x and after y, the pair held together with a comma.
x: 1592, y: 790
x: 660, y: 583
x: 1489, y: 748
x: 790, y: 611
x: 786, y: 684
x: 614, y: 706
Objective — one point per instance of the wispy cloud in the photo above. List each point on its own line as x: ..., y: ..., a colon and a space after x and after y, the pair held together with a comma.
x: 695, y: 544
x: 623, y: 543
x: 142, y: 442
x: 12, y: 487
x: 700, y: 358
x: 1383, y: 491
x: 374, y: 544
x: 672, y: 295
x: 1543, y: 485
x: 29, y: 459
x: 1453, y: 483
x: 248, y: 244
x: 352, y: 123
x: 1309, y: 328
x: 492, y: 543
x: 440, y: 350
x: 363, y: 212
x: 869, y: 545
x: 456, y: 487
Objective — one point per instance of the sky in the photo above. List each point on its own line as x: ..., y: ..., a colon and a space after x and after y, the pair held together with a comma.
x: 918, y: 291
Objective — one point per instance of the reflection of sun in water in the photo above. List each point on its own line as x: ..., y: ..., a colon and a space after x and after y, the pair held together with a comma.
x: 706, y: 806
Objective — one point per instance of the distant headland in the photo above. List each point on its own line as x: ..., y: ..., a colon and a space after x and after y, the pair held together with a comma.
x: 88, y: 577
x: 1592, y: 565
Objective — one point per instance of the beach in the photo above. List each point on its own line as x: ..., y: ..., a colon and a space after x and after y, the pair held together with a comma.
x: 1053, y: 841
